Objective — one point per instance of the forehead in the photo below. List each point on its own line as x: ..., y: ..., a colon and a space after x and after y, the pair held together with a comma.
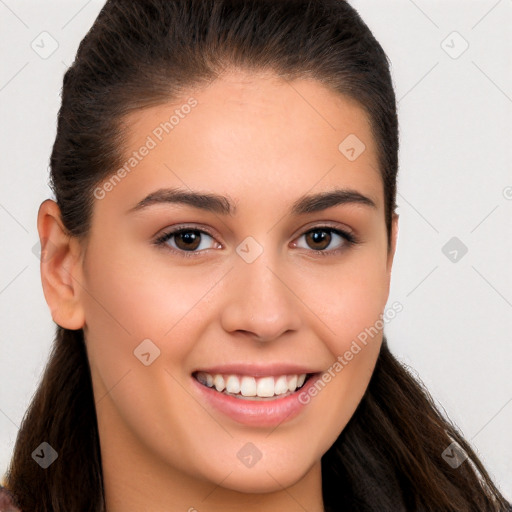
x: 252, y: 135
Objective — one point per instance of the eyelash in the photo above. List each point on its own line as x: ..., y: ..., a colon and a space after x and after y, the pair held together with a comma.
x: 161, y: 241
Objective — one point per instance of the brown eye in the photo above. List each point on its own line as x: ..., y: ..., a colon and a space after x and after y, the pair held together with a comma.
x: 322, y: 238
x: 186, y: 240
x: 319, y: 239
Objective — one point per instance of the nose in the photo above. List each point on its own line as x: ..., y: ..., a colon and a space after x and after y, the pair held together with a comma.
x: 260, y: 300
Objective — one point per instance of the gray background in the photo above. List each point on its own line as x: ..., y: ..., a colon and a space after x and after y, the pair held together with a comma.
x: 455, y: 107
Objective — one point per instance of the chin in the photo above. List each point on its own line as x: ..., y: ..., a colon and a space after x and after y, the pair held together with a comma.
x: 251, y: 481
x: 267, y: 476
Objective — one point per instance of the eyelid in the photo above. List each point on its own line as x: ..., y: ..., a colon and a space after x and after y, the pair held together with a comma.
x: 319, y: 224
x: 344, y: 232
x: 167, y: 233
x: 348, y: 239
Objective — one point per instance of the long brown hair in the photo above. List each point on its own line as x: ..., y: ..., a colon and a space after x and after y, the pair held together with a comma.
x: 142, y: 53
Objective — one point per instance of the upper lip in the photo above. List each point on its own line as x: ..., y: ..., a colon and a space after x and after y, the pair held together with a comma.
x: 257, y: 370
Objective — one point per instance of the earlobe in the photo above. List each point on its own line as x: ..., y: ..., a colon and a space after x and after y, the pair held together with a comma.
x: 60, y: 267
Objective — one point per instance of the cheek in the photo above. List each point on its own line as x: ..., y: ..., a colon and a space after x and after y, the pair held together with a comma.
x: 348, y: 300
x: 130, y: 301
x: 354, y: 337
x: 338, y: 396
x: 139, y: 297
x: 127, y: 303
x: 349, y: 304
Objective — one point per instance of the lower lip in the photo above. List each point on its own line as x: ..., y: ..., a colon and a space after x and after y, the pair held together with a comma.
x: 259, y: 413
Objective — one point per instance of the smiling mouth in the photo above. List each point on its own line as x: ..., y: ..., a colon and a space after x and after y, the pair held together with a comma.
x: 246, y: 387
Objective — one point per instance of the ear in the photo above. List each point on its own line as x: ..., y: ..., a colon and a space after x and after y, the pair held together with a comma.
x: 394, y: 239
x: 60, y: 267
x: 391, y: 250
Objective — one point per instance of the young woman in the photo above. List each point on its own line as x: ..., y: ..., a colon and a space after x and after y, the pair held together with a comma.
x: 217, y: 261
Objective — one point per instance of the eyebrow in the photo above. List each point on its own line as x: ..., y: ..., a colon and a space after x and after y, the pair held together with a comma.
x: 225, y: 206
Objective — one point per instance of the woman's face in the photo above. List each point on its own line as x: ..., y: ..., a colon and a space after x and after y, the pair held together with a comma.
x: 259, y: 295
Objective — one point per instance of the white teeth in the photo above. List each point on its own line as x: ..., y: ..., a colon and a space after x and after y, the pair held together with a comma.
x: 218, y: 382
x: 281, y: 385
x: 265, y: 387
x: 246, y: 386
x: 233, y: 384
x: 292, y: 382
